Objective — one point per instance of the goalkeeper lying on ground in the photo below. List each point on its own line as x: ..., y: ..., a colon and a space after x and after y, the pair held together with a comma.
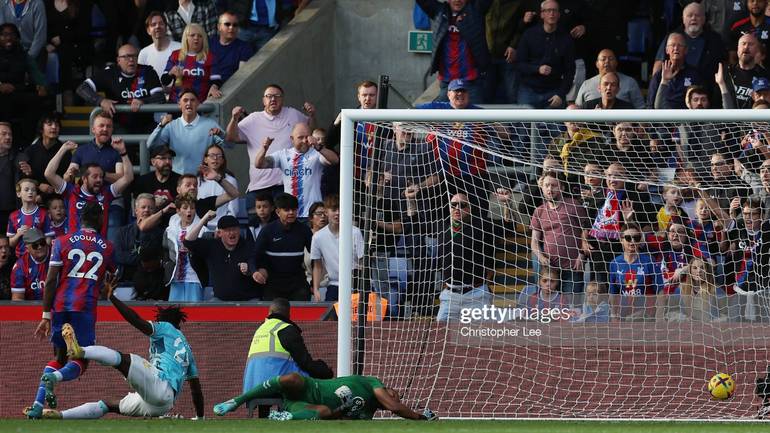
x: 350, y: 397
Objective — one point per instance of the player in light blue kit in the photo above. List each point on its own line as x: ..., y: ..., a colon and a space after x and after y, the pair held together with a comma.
x: 157, y: 382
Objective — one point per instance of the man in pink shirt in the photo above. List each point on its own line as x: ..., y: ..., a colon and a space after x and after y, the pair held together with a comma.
x: 275, y: 123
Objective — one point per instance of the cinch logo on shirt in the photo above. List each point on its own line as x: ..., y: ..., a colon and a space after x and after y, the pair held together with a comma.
x: 294, y: 172
x: 195, y: 72
x: 81, y: 204
x: 136, y: 94
x: 37, y: 285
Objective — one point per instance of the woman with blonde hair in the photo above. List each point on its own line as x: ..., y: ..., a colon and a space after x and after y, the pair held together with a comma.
x: 702, y: 300
x: 193, y: 66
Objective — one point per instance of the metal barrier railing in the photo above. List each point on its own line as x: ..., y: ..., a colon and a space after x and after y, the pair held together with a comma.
x: 141, y: 139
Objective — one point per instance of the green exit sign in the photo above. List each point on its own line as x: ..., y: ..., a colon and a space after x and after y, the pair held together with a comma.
x: 420, y: 41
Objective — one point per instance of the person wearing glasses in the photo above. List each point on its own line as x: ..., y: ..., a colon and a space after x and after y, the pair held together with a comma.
x: 215, y: 160
x: 622, y: 205
x: 635, y: 279
x: 274, y: 123
x: 231, y: 52
x: 29, y: 271
x: 466, y: 254
x: 188, y: 136
x: 126, y: 82
x: 160, y: 182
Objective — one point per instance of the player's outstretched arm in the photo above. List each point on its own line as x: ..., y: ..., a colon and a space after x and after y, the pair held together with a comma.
x: 197, y: 396
x: 389, y: 400
x: 130, y: 315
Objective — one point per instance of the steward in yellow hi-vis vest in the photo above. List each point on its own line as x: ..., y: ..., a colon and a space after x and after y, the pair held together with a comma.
x: 277, y: 348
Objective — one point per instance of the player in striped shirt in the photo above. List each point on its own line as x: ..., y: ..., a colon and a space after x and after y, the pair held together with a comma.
x: 93, y: 188
x: 29, y: 272
x: 157, y: 383
x: 302, y: 166
x: 79, y: 263
x: 30, y: 215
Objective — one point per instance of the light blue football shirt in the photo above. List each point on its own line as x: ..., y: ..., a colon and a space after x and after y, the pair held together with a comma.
x: 171, y: 355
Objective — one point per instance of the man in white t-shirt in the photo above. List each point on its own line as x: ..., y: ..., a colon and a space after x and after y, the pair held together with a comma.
x: 276, y: 122
x: 324, y: 251
x: 156, y: 54
x: 301, y: 166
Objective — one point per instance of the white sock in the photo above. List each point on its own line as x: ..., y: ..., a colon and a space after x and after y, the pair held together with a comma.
x: 92, y: 410
x: 102, y: 355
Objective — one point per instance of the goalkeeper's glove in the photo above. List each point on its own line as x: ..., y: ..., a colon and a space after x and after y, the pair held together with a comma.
x: 428, y: 415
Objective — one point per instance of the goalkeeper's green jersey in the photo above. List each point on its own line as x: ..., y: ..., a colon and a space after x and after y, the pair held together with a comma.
x: 355, y: 393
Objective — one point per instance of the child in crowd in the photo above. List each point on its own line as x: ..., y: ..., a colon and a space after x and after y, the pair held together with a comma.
x: 265, y: 210
x: 30, y: 215
x: 57, y: 212
x: 709, y: 234
x: 594, y: 309
x: 546, y: 294
x: 185, y: 284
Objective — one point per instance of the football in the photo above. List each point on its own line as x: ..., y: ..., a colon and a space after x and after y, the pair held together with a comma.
x: 721, y: 386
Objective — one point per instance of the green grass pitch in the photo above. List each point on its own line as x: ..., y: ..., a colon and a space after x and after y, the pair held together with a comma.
x: 396, y: 426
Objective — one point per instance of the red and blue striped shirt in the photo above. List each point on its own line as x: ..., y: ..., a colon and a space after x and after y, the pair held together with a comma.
x: 84, y: 257
x: 457, y: 60
x: 37, y: 218
x: 75, y: 198
x: 28, y: 277
x: 196, y: 75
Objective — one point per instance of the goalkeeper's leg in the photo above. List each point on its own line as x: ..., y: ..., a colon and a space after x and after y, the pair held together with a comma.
x: 289, y: 384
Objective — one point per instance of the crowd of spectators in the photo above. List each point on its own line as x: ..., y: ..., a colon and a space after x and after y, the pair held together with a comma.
x: 607, y: 241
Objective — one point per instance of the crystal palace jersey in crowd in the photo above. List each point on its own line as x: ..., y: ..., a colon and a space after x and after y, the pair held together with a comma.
x: 634, y: 279
x: 456, y: 157
x: 671, y: 261
x: 28, y: 277
x: 301, y: 176
x: 84, y: 257
x: 75, y: 198
x: 197, y: 75
x: 457, y: 60
x: 37, y: 218
x: 123, y: 88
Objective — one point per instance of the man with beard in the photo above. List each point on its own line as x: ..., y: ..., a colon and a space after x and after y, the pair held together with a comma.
x: 755, y: 23
x: 161, y: 182
x: 558, y: 225
x: 746, y: 71
x: 705, y: 49
x: 93, y: 188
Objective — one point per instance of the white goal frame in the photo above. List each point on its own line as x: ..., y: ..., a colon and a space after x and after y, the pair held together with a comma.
x: 349, y: 117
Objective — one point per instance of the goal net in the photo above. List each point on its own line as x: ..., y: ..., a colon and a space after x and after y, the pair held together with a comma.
x: 579, y: 264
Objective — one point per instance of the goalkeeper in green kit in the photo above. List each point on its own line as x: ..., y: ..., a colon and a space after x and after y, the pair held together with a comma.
x: 305, y: 398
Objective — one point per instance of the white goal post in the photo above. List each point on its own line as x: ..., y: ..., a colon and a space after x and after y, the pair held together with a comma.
x: 671, y: 356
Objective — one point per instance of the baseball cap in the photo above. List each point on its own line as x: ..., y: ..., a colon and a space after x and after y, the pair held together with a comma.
x: 161, y: 150
x: 457, y: 84
x: 33, y: 235
x: 760, y: 83
x: 227, y: 221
